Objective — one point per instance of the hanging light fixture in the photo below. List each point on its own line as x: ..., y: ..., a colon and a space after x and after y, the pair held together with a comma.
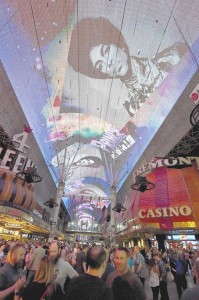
x: 142, y: 184
x: 51, y: 203
x: 118, y: 208
x: 30, y: 175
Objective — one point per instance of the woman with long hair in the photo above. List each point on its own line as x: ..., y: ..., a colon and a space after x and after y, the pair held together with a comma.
x: 99, y: 50
x: 43, y: 285
x: 154, y: 281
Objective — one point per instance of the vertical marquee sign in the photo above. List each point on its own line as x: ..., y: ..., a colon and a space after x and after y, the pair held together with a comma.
x: 13, y: 158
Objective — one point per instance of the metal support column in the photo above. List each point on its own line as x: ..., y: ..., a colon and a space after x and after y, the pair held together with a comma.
x: 55, y: 210
x: 113, y: 221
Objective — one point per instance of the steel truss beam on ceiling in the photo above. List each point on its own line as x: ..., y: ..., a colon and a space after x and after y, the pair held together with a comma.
x: 187, y: 144
x: 5, y: 140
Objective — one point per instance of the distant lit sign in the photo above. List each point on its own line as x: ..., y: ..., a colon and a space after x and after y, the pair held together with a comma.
x: 15, y: 210
x: 122, y: 226
x: 165, y: 212
x: 13, y: 225
x: 24, y: 235
x: 189, y: 237
x: 9, y: 156
x: 166, y: 162
x: 8, y: 231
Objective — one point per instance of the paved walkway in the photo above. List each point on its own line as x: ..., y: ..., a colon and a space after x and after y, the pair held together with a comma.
x: 173, y: 295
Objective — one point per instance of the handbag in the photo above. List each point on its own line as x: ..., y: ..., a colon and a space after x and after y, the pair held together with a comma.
x: 170, y: 276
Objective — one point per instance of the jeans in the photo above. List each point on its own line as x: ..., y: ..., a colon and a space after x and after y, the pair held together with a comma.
x: 155, y: 291
x: 163, y: 290
x: 181, y: 284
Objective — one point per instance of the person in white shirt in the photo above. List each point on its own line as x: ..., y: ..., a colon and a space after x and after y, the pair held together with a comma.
x: 63, y: 270
x: 154, y: 281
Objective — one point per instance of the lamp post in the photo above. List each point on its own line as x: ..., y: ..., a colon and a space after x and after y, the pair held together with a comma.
x: 60, y: 191
x: 113, y: 221
x: 55, y: 210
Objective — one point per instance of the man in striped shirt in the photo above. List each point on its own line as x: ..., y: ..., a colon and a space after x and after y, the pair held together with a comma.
x: 140, y: 265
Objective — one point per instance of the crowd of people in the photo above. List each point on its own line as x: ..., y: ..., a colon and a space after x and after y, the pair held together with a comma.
x: 59, y: 271
x: 172, y: 265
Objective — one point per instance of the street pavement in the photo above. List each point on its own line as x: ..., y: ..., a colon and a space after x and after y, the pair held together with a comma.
x: 173, y: 295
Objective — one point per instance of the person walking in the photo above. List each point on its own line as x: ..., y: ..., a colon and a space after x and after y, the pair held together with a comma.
x: 81, y: 260
x: 140, y: 265
x: 179, y: 268
x: 163, y: 276
x: 154, y: 281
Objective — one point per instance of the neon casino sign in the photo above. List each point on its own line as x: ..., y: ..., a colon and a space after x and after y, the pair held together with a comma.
x: 165, y: 212
x: 166, y: 162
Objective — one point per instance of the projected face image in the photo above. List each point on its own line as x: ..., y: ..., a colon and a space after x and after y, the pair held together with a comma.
x: 110, y: 60
x: 100, y: 58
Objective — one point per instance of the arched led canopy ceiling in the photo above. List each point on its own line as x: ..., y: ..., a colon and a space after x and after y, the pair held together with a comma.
x: 96, y: 80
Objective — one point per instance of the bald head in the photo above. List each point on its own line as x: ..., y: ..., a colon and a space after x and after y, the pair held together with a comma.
x: 95, y: 257
x: 54, y: 251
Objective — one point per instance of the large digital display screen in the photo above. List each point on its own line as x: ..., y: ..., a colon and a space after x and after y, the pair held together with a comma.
x: 96, y: 79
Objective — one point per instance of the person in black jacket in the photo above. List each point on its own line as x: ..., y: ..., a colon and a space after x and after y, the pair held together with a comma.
x: 90, y: 285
